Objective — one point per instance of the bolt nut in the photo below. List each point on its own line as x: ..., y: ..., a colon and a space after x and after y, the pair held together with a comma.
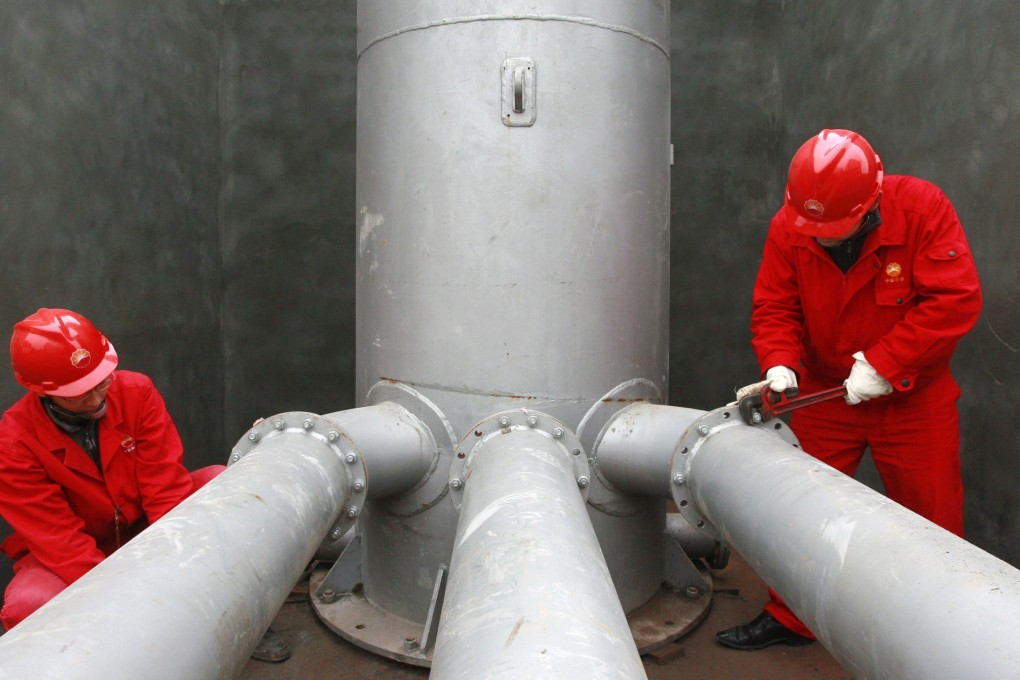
x: 558, y: 432
x: 678, y: 479
x: 234, y: 457
x: 504, y: 421
x: 359, y: 485
x: 336, y: 533
x: 351, y: 457
x: 410, y: 644
x: 582, y: 482
x: 456, y: 483
x: 328, y: 596
x: 703, y: 430
x: 533, y: 421
x: 353, y: 511
x: 756, y: 417
x: 307, y: 424
x: 278, y: 423
x: 253, y: 436
x: 333, y: 435
x: 692, y: 591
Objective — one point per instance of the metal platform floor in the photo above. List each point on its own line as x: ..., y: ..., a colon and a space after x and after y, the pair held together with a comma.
x: 739, y: 596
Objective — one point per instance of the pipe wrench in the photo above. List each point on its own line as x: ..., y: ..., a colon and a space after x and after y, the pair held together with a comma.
x: 765, y: 404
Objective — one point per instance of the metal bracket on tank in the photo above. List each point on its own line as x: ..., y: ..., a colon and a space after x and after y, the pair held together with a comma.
x: 687, y: 448
x: 518, y: 92
x: 433, y: 486
x: 602, y: 495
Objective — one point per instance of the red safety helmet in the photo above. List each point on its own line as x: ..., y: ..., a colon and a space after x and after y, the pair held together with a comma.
x: 60, y: 353
x: 835, y: 178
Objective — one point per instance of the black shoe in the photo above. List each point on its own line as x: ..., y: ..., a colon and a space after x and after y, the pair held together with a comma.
x: 762, y: 632
x: 272, y: 648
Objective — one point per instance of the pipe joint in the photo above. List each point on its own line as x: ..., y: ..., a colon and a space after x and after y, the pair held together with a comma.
x: 489, y: 433
x: 299, y: 430
x: 687, y: 448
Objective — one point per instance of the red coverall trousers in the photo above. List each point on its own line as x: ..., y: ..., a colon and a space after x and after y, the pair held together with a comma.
x: 915, y: 442
x: 34, y: 585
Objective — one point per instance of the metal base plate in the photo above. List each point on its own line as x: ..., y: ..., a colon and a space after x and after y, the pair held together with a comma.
x: 663, y: 619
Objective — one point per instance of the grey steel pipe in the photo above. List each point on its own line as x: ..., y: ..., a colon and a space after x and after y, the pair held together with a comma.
x: 399, y: 449
x: 634, y: 451
x: 190, y: 596
x: 890, y: 594
x: 529, y: 593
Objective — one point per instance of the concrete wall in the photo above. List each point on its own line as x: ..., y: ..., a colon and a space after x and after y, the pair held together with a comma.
x: 109, y: 183
x: 288, y: 114
x: 184, y: 175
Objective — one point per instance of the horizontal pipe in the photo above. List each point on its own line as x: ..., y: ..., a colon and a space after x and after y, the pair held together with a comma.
x: 529, y: 594
x: 634, y: 452
x: 398, y: 448
x: 889, y: 593
x: 190, y: 596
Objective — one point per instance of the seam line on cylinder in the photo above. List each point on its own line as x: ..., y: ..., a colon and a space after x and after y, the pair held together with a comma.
x: 517, y: 17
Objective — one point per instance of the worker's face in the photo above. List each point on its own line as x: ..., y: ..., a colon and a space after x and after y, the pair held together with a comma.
x: 88, y: 403
x: 832, y: 242
x: 868, y: 220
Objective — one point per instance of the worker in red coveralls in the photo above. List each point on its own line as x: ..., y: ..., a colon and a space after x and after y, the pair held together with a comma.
x: 866, y: 279
x: 88, y: 459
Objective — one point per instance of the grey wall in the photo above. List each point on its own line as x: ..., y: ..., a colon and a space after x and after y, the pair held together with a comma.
x: 935, y: 86
x: 287, y: 226
x: 183, y: 173
x: 109, y: 182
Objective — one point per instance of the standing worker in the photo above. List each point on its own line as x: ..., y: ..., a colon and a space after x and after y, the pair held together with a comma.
x: 866, y: 279
x: 88, y: 459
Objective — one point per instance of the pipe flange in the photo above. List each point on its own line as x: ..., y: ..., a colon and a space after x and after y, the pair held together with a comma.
x: 691, y: 440
x: 505, y: 422
x: 325, y: 432
x: 432, y: 488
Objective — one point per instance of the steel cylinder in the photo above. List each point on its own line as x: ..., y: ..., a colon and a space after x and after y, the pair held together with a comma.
x: 512, y: 265
x: 513, y: 228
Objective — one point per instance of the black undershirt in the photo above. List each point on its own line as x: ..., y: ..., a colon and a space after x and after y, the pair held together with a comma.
x: 84, y: 431
x: 848, y: 252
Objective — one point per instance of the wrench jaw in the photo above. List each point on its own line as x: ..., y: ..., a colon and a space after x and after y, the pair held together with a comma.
x: 751, y: 408
x: 760, y: 408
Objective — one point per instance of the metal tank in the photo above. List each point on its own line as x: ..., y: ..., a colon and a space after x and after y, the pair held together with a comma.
x: 513, y: 198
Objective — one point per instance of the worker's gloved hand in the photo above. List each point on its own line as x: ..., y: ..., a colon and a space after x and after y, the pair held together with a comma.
x: 781, y: 378
x: 864, y: 382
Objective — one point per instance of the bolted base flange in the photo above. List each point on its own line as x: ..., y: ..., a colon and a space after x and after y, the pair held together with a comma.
x: 666, y: 617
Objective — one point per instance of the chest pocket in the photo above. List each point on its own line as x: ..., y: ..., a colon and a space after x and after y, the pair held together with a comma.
x: 894, y: 286
x: 951, y: 263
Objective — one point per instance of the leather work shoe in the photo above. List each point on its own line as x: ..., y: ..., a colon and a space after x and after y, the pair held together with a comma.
x: 762, y: 632
x: 272, y: 647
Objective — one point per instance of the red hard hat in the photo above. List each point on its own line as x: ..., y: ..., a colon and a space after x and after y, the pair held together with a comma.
x: 835, y: 177
x: 60, y: 353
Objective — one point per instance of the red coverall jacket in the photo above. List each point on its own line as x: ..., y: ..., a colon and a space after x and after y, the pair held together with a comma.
x: 905, y: 303
x: 62, y: 510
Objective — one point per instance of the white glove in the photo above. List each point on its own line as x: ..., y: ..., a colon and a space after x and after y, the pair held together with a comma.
x: 864, y: 382
x: 781, y: 378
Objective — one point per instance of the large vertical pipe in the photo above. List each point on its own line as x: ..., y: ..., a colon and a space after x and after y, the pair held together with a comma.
x: 529, y: 594
x: 190, y: 596
x: 470, y: 230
